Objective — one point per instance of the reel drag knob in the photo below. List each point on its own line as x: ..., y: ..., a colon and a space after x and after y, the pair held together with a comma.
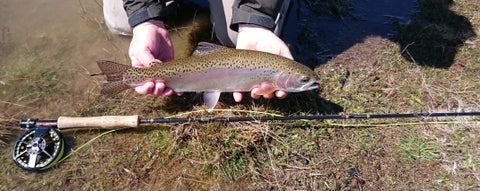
x: 38, y: 149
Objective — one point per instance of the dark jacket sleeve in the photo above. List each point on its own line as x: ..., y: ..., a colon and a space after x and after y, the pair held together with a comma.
x: 258, y: 12
x: 139, y: 11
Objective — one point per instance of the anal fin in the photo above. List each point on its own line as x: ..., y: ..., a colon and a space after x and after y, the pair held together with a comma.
x: 211, y: 98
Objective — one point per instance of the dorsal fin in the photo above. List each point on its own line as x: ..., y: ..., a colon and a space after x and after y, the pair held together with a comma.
x: 206, y: 47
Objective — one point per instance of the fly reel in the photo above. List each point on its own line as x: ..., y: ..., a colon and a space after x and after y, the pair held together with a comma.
x: 42, y: 146
x: 38, y: 148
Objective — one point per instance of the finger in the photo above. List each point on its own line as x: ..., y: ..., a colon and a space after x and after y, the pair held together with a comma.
x: 237, y: 96
x: 167, y: 92
x: 146, y: 88
x: 281, y: 94
x: 154, y: 62
x: 264, y: 88
x: 285, y: 52
x: 253, y: 93
x: 159, y: 89
x: 268, y: 96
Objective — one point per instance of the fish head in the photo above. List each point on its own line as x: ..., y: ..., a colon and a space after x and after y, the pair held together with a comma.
x: 297, y: 81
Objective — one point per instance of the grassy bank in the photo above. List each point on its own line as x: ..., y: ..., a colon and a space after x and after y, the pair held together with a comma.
x: 430, y: 65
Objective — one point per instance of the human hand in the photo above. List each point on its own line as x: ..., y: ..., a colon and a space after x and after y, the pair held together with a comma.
x: 151, y: 44
x: 253, y: 37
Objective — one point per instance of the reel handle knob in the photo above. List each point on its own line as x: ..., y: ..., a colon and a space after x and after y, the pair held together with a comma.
x: 28, y: 123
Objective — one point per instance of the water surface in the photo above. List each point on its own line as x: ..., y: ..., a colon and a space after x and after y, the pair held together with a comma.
x: 48, y: 50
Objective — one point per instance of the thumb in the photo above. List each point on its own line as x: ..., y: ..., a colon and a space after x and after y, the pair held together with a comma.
x: 285, y: 52
x: 145, y: 57
x: 136, y: 63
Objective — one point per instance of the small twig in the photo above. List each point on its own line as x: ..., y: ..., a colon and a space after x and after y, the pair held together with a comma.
x: 15, y: 104
x: 296, y: 167
x: 405, y: 50
x: 270, y: 155
x: 194, y: 180
x: 215, y: 159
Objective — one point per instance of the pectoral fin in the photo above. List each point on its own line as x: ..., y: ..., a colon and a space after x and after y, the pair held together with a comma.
x: 265, y: 88
x: 211, y: 98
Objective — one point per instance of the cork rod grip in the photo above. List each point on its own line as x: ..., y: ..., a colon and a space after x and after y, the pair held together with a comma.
x: 105, y: 122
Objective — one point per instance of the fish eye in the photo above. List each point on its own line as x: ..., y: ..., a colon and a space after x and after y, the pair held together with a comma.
x: 305, y: 79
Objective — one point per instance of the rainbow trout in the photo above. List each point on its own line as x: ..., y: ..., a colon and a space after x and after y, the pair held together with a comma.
x: 214, y: 69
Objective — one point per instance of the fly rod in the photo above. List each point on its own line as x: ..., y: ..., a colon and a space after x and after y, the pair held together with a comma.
x: 41, y: 146
x: 134, y: 121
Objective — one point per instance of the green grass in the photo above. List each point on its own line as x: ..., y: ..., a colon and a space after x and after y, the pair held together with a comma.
x: 417, y: 148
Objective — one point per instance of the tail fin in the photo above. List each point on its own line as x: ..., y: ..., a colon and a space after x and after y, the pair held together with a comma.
x: 114, y: 73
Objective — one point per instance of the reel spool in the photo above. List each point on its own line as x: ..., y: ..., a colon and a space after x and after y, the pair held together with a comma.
x: 38, y: 148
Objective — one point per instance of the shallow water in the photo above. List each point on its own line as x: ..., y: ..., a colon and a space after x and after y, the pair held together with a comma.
x: 333, y: 34
x: 48, y: 48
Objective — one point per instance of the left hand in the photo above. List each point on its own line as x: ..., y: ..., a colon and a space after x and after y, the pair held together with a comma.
x: 252, y: 37
x: 151, y: 44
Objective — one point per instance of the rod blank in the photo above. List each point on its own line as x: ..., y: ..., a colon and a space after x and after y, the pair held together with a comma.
x: 307, y: 117
x: 108, y: 122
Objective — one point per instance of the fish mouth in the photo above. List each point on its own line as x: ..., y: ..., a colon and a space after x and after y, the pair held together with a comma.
x: 311, y: 86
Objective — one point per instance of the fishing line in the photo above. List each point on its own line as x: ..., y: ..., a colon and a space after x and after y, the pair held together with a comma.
x: 89, y: 142
x: 401, y: 124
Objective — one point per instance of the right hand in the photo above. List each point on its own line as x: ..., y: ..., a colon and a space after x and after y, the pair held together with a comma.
x: 253, y: 37
x: 151, y: 44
